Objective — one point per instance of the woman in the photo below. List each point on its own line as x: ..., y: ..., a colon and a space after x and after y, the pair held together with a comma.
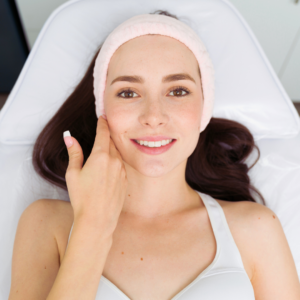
x: 174, y: 221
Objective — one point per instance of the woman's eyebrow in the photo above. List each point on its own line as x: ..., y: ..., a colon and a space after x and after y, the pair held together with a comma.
x: 168, y: 78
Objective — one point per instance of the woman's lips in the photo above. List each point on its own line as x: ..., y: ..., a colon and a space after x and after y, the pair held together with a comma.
x: 153, y: 150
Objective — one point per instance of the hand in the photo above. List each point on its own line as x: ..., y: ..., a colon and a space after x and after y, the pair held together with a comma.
x: 97, y: 191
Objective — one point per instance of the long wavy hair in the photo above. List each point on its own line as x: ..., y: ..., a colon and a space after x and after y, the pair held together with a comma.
x: 217, y: 166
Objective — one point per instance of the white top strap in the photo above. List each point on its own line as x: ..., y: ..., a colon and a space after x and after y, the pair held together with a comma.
x: 230, y: 256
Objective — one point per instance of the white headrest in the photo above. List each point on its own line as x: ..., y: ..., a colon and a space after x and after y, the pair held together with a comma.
x: 247, y: 88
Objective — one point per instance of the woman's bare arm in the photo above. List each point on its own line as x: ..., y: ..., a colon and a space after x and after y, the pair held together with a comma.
x: 275, y: 275
x: 36, y: 273
x: 83, y: 263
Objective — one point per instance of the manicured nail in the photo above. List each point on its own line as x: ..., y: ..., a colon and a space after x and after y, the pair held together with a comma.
x: 104, y: 117
x: 68, y: 139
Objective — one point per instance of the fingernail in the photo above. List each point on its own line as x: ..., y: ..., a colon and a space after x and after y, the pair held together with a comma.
x: 68, y: 139
x: 104, y: 117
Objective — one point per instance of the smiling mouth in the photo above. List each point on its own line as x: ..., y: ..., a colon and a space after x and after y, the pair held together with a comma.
x: 172, y: 140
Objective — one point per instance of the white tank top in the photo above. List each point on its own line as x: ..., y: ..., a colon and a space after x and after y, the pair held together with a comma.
x: 225, y: 278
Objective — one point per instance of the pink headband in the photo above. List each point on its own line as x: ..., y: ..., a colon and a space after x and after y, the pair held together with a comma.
x: 155, y: 24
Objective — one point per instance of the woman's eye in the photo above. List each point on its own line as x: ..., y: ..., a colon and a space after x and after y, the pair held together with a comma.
x: 177, y: 92
x: 128, y: 91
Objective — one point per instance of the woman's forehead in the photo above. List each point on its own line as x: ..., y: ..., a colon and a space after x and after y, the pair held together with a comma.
x: 153, y: 52
x: 154, y: 44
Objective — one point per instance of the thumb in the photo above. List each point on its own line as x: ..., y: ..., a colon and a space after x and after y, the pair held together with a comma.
x: 74, y: 151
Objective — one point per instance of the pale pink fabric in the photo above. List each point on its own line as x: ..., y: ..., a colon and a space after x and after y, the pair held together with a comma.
x: 155, y: 24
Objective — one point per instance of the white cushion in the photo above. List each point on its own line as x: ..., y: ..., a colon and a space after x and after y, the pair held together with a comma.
x: 247, y: 90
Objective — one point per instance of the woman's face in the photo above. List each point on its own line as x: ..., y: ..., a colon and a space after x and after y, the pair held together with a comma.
x: 152, y: 106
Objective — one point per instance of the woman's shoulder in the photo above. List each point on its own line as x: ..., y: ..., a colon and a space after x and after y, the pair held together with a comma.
x: 246, y: 220
x: 246, y: 211
x: 61, y: 209
x: 61, y: 219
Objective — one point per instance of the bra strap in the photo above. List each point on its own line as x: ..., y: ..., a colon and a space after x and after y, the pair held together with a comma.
x: 230, y: 256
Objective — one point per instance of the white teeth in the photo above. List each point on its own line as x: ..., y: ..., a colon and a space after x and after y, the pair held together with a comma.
x: 154, y: 144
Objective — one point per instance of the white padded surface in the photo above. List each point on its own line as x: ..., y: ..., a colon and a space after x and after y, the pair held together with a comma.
x: 247, y: 90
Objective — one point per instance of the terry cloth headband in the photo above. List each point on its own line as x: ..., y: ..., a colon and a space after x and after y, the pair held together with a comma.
x: 155, y: 24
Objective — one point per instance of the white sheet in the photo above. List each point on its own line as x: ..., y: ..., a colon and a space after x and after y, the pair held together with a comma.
x: 247, y: 90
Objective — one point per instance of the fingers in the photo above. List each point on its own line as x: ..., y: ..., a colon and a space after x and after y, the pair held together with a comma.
x: 113, y: 151
x: 74, y: 151
x: 102, y: 139
x: 103, y: 142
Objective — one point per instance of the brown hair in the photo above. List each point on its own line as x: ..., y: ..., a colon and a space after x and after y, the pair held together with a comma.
x: 217, y: 166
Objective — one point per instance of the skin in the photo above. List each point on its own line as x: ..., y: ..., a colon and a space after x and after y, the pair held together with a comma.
x: 158, y: 197
x: 156, y: 184
x: 164, y: 238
